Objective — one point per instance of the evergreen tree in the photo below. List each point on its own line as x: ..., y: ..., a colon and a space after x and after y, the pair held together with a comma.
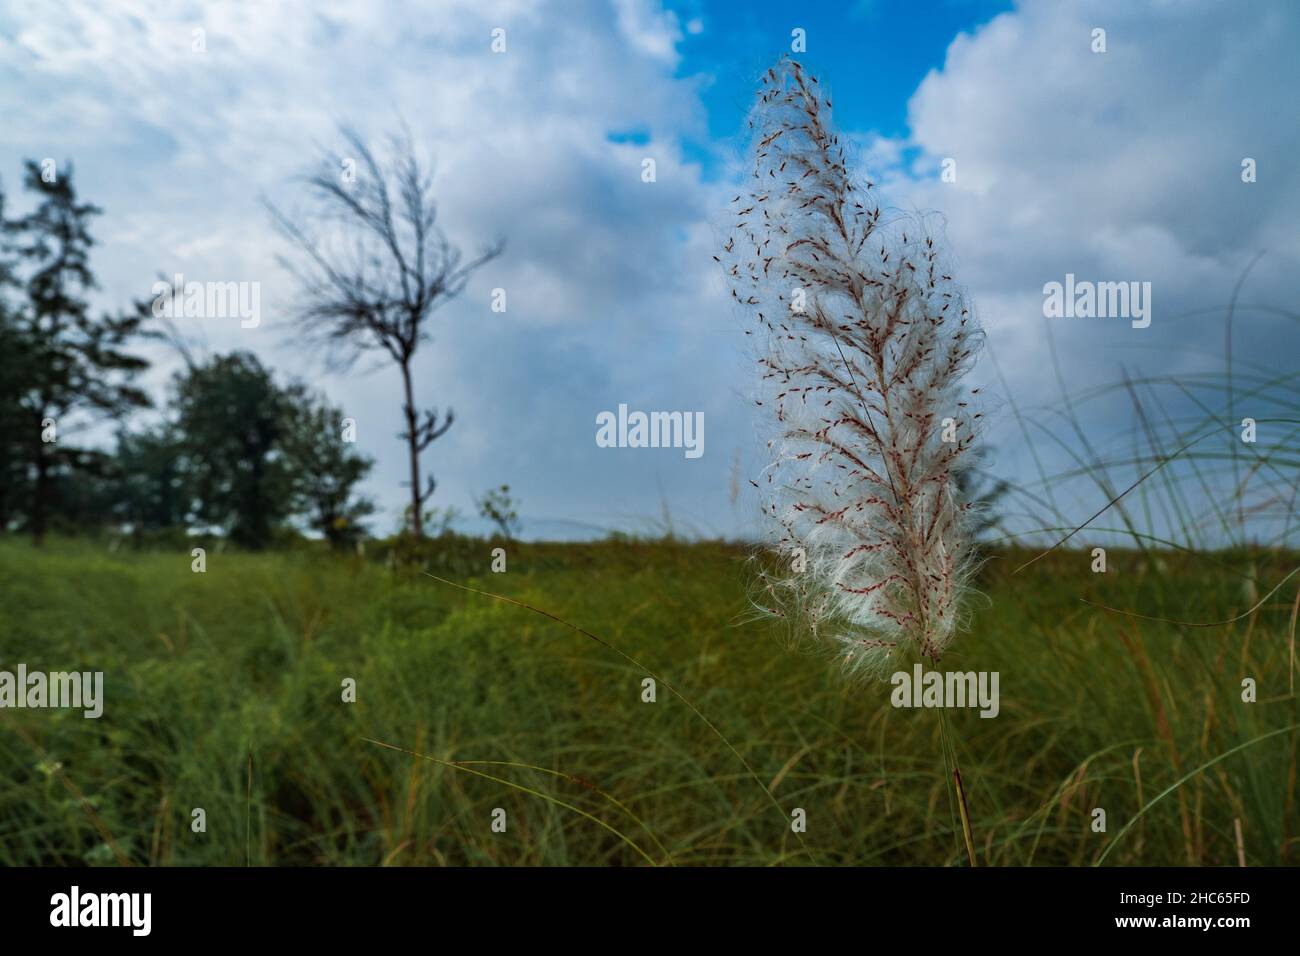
x: 62, y: 365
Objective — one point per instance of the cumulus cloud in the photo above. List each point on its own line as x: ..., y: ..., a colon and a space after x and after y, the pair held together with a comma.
x: 1097, y: 163
x: 608, y: 277
x: 1122, y: 165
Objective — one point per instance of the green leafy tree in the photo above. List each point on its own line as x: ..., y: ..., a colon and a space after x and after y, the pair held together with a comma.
x: 230, y: 419
x: 499, y: 507
x: 324, y: 469
x: 151, y: 482
x: 83, y: 492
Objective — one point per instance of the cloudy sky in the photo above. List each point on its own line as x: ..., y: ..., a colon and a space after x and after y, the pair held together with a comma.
x: 1115, y: 166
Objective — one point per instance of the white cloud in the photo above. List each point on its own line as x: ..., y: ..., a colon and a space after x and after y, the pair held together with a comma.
x: 1117, y: 165
x: 608, y: 294
x: 649, y: 28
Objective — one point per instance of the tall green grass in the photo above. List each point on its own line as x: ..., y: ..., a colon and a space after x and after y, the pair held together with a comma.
x: 223, y: 692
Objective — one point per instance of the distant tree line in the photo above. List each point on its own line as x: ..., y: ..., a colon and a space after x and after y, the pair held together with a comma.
x: 232, y: 450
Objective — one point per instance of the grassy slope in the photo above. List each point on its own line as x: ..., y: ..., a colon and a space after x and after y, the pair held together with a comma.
x: 204, y: 671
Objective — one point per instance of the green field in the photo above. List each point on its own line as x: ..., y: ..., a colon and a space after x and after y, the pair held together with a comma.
x: 223, y: 692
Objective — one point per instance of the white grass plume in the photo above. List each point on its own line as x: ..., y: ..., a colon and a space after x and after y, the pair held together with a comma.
x: 865, y: 340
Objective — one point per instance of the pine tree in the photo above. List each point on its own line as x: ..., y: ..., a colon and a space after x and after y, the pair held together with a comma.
x: 73, y: 366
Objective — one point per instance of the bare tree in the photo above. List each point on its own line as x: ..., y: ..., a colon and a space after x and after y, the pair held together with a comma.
x: 374, y: 267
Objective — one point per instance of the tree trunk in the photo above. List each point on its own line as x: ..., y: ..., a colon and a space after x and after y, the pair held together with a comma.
x: 412, y: 443
x: 40, y: 494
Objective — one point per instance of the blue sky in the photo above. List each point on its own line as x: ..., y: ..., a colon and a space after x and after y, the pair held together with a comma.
x: 1116, y: 166
x: 880, y: 50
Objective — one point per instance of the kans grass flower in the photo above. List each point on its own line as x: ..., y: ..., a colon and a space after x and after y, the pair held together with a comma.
x: 864, y: 341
